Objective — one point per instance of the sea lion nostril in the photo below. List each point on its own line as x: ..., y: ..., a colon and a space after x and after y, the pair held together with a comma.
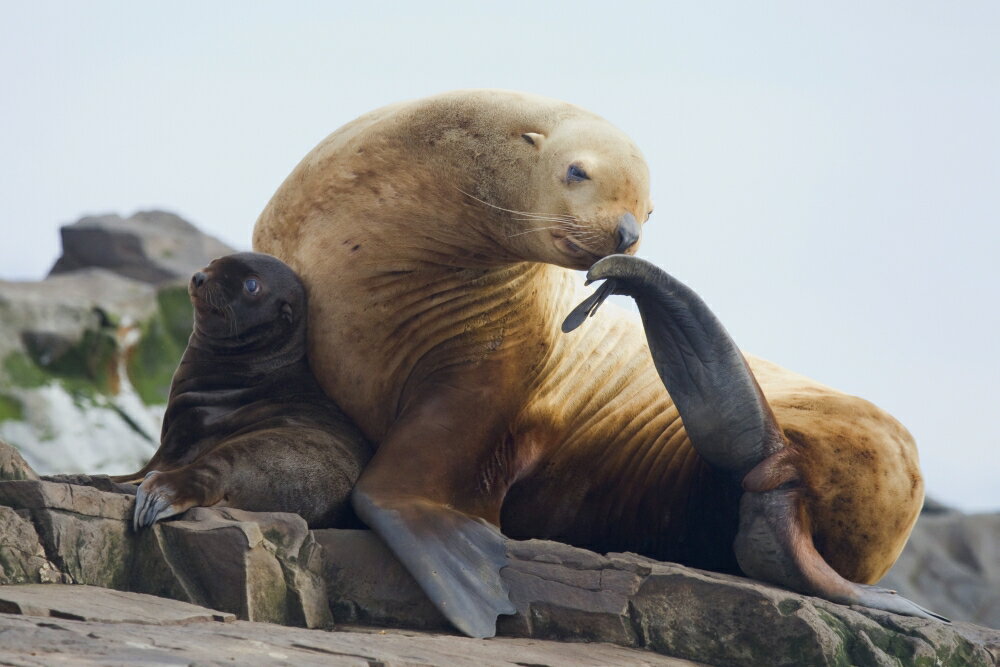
x: 628, y: 232
x: 198, y: 279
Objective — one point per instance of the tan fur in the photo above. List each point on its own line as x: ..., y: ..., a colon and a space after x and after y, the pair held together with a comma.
x: 435, y: 325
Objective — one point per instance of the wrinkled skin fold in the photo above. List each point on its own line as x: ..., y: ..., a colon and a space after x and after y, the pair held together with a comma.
x: 732, y: 426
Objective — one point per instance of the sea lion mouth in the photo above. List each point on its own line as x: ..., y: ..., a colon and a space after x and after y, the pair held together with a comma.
x: 207, y: 301
x: 582, y: 257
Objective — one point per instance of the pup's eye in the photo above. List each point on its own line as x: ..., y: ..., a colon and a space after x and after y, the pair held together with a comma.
x: 575, y: 174
x: 251, y: 285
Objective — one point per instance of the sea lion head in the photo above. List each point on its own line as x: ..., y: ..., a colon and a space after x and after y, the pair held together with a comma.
x: 247, y: 298
x: 590, y: 191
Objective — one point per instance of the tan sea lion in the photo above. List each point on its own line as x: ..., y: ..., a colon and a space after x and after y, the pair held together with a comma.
x: 436, y: 238
x: 246, y: 424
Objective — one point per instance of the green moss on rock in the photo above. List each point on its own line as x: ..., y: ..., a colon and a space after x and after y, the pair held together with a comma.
x: 11, y: 408
x: 178, y: 316
x: 88, y: 366
x: 22, y: 372
x: 163, y: 340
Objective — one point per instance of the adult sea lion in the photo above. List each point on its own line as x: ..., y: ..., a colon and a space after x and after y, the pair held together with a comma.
x: 247, y: 425
x: 436, y: 238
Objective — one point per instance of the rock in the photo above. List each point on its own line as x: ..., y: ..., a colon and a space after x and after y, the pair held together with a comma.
x: 87, y: 355
x: 151, y: 246
x: 366, y: 584
x: 260, y: 566
x: 99, y: 482
x: 89, y: 603
x: 566, y: 593
x: 86, y: 362
x: 268, y: 566
x: 12, y: 464
x: 22, y: 558
x: 84, y: 531
x: 43, y: 642
x: 952, y: 565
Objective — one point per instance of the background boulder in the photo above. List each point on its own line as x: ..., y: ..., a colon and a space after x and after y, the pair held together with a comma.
x: 151, y: 246
x: 87, y: 355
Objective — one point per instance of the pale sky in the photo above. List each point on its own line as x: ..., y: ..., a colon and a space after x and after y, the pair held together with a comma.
x: 826, y: 175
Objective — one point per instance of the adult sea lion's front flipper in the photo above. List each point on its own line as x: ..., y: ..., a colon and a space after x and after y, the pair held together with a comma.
x: 731, y: 425
x: 425, y: 493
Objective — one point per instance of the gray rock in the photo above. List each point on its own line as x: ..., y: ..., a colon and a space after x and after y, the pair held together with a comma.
x: 89, y: 603
x: 566, y: 593
x: 84, y: 531
x: 82, y: 500
x: 366, y: 584
x: 13, y: 466
x: 268, y: 566
x: 22, y: 558
x: 69, y: 371
x: 151, y: 246
x: 259, y: 566
x: 99, y: 482
x: 44, y: 642
x: 952, y: 565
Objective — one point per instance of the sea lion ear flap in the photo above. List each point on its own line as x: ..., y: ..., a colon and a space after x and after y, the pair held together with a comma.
x: 286, y: 312
x: 534, y: 138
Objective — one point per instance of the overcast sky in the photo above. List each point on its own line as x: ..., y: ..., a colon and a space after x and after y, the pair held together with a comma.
x: 826, y: 175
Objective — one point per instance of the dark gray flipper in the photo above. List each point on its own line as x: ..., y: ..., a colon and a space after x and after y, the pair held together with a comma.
x: 724, y: 411
x: 731, y: 425
x: 454, y: 557
x: 588, y: 306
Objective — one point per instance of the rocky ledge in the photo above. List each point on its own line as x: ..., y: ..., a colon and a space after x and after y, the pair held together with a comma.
x: 132, y: 629
x: 270, y: 567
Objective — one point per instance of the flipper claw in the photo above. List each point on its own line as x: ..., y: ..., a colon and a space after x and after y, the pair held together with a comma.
x: 888, y: 600
x: 152, y: 503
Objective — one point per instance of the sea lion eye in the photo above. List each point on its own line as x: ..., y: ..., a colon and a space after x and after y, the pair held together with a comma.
x: 252, y: 286
x: 575, y: 174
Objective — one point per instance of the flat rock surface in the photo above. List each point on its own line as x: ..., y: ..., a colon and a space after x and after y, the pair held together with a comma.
x: 91, y: 603
x: 33, y: 495
x: 35, y: 641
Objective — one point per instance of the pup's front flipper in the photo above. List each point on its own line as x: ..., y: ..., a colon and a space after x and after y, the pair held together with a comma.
x: 731, y: 426
x: 162, y: 495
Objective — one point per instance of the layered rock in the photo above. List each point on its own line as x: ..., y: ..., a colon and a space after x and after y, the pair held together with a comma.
x: 135, y: 629
x: 269, y: 566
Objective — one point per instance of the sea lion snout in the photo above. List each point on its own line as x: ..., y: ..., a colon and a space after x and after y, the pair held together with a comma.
x: 628, y: 232
x: 198, y: 279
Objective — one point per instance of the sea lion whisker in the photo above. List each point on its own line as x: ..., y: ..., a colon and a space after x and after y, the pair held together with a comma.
x: 510, y: 210
x: 540, y: 229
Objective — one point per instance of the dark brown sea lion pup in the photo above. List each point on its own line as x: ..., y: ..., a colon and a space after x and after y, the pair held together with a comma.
x: 247, y: 425
x: 450, y: 225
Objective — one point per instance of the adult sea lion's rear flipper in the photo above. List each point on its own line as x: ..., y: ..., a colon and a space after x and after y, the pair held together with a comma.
x: 731, y: 426
x: 454, y: 557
